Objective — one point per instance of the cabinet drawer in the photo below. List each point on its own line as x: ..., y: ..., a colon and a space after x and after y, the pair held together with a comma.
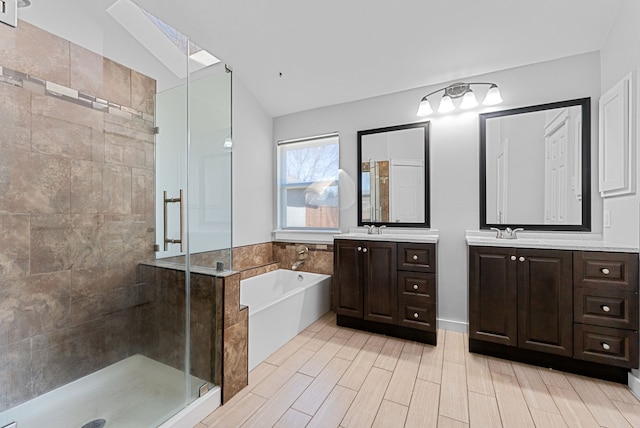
x: 417, y: 257
x: 607, y: 308
x: 618, y: 271
x: 418, y: 283
x: 414, y: 312
x: 606, y: 345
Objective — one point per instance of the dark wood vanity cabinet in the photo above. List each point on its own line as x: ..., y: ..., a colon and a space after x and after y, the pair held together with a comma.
x: 521, y: 298
x: 606, y: 308
x: 386, y: 287
x: 558, y: 308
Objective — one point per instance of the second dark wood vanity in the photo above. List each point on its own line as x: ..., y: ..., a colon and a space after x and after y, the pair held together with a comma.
x: 561, y: 308
x: 386, y: 287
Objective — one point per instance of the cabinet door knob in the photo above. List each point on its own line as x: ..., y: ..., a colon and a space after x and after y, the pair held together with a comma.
x: 521, y: 258
x: 364, y: 250
x: 605, y: 308
x: 359, y: 248
x: 415, y: 286
x: 415, y: 315
x: 606, y: 346
x: 513, y: 258
x: 415, y: 257
x: 605, y: 271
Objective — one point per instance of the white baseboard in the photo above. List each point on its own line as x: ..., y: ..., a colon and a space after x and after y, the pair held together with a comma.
x: 459, y: 326
x: 634, y: 384
x: 191, y: 415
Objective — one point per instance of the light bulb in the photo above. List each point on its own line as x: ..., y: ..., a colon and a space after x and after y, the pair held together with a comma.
x: 446, y: 105
x: 493, y: 96
x: 424, y: 109
x: 469, y: 100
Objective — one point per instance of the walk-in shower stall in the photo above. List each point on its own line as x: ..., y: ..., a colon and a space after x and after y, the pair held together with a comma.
x: 115, y: 179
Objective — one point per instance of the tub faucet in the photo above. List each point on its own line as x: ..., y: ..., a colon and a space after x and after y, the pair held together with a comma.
x: 297, y: 264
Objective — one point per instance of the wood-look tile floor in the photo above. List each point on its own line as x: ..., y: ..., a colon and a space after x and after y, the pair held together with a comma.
x: 330, y: 376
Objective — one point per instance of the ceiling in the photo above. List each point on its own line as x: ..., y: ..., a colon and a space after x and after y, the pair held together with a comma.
x: 295, y: 55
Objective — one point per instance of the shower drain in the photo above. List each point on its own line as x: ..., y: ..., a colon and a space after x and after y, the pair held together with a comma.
x: 97, y: 423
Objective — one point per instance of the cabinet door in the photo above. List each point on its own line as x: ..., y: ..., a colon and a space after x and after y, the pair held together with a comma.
x: 346, y: 290
x: 545, y: 301
x: 493, y: 295
x: 380, y: 282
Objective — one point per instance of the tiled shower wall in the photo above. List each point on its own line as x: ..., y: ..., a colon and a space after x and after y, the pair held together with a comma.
x: 76, y: 210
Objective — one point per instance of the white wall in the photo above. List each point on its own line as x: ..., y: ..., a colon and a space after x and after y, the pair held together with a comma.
x: 253, y: 169
x: 454, y: 143
x: 620, y: 55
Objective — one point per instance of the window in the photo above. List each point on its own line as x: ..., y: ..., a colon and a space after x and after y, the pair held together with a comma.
x: 308, y: 183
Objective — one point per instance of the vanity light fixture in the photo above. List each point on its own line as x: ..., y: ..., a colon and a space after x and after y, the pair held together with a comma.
x: 460, y: 90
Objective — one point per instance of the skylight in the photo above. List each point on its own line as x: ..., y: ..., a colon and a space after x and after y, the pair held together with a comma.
x: 162, y: 40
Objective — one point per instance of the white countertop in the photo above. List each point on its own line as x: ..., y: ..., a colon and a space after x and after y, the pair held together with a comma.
x: 393, y: 234
x: 549, y: 240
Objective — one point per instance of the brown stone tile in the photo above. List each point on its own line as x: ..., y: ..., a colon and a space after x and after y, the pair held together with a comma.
x: 60, y: 138
x: 231, y: 300
x: 235, y: 356
x: 66, y: 355
x: 143, y: 91
x: 252, y: 256
x: 95, y: 75
x: 249, y: 273
x: 61, y: 110
x: 14, y: 245
x: 33, y: 51
x: 322, y: 262
x: 116, y: 188
x: 52, y: 243
x: 34, y: 305
x: 136, y: 129
x: 86, y: 187
x: 15, y: 374
x: 33, y: 183
x: 15, y: 117
x: 125, y: 150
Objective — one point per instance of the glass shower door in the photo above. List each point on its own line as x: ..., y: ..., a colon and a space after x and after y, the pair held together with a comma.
x: 94, y: 328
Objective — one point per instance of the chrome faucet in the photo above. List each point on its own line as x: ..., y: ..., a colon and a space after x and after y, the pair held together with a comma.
x: 297, y: 264
x: 508, y: 233
x: 371, y: 229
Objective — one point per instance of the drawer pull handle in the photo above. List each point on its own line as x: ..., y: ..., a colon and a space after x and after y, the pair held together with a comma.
x: 513, y: 258
x: 415, y: 286
x: 359, y: 248
x: 415, y: 257
x: 605, y: 271
x: 415, y: 315
x: 521, y: 259
x: 364, y: 250
x: 605, y: 346
x: 605, y: 308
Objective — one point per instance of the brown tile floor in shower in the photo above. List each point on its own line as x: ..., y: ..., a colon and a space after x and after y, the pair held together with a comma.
x: 330, y: 376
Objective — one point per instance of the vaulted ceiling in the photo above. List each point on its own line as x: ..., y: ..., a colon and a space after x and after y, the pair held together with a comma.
x: 295, y: 55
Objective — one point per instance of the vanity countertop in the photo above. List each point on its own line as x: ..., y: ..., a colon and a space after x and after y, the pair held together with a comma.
x: 392, y: 234
x: 550, y: 241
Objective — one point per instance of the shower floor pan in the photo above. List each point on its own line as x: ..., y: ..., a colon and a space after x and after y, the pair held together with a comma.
x: 136, y: 392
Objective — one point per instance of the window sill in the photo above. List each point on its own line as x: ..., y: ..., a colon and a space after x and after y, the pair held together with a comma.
x: 305, y: 236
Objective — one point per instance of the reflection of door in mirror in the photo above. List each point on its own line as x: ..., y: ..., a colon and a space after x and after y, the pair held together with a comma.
x: 555, y: 168
x: 407, y: 198
x: 502, y: 159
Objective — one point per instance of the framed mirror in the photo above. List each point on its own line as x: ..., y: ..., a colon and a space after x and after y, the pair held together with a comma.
x: 535, y: 167
x: 393, y: 176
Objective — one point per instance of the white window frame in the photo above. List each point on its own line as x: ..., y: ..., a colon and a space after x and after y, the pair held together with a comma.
x: 301, y: 234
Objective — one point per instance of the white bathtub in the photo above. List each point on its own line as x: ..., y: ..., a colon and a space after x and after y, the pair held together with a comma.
x: 281, y: 304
